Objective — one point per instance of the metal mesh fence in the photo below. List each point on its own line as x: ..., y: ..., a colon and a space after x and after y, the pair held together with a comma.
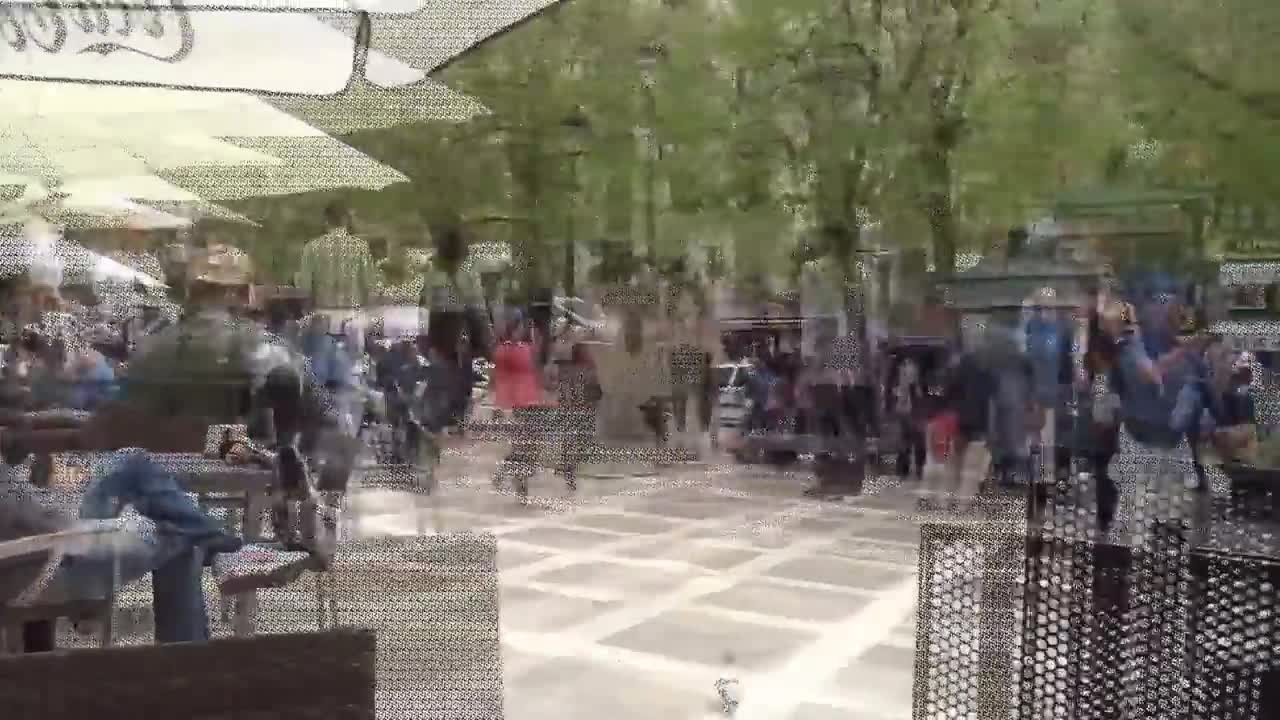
x: 1170, y: 614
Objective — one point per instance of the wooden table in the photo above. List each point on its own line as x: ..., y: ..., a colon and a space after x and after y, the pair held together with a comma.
x: 46, y: 552
x: 84, y: 536
x: 251, y: 488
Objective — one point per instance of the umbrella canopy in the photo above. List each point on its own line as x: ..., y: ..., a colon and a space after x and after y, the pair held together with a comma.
x: 364, y: 107
x: 310, y: 163
x: 155, y: 192
x: 131, y: 111
x: 108, y: 271
x: 1257, y: 335
x: 54, y: 149
x: 234, y: 143
x: 996, y: 284
x: 41, y: 250
x: 1249, y: 273
x: 432, y: 34
x: 80, y: 212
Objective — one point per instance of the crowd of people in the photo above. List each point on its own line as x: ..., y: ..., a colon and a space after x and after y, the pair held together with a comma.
x: 1145, y: 377
x: 147, y: 383
x: 156, y: 379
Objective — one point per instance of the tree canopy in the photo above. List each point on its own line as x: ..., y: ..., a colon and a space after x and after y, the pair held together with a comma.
x: 768, y: 133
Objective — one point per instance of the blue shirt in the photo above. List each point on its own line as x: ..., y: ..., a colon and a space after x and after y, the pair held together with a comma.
x: 1045, y: 340
x: 96, y: 384
x: 1147, y: 406
x: 330, y: 362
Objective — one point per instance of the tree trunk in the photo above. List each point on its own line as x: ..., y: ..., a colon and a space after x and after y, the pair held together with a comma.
x: 939, y: 206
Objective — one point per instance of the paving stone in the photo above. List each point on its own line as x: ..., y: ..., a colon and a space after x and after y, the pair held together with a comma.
x: 760, y: 533
x: 838, y: 571
x: 561, y: 538
x: 515, y: 664
x: 530, y: 610
x: 423, y: 521
x: 867, y: 549
x: 615, y: 577
x: 682, y: 509
x: 767, y: 598
x: 571, y: 689
x: 382, y: 500
x: 903, y: 531
x: 510, y: 558
x: 701, y: 554
x: 881, y: 678
x: 405, y: 524
x: 699, y: 637
x: 823, y: 526
x: 622, y: 522
x: 815, y: 711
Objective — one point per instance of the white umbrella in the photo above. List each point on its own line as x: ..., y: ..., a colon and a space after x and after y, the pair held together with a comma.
x: 142, y: 143
x: 313, y: 163
x: 157, y: 193
x: 54, y: 153
x: 125, y: 110
x: 41, y: 250
x: 106, y: 270
x: 364, y: 107
x: 88, y: 211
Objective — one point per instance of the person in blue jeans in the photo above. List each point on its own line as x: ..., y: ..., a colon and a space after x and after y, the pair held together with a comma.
x: 174, y: 548
x: 173, y: 544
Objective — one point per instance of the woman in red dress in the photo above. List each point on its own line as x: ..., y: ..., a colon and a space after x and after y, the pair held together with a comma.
x: 519, y: 388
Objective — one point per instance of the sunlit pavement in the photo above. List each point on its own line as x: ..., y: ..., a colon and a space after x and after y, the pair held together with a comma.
x: 625, y: 599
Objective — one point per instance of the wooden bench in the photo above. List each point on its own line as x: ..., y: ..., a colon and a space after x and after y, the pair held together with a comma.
x: 306, y: 676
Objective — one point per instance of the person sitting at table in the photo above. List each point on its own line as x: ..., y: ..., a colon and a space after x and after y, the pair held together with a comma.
x: 171, y: 539
x: 211, y: 369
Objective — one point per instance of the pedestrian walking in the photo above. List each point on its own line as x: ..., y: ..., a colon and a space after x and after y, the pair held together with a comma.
x: 579, y: 394
x: 519, y: 388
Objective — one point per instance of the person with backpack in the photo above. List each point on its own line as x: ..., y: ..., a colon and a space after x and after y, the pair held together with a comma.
x: 905, y: 403
x: 579, y: 393
x: 1165, y: 393
x: 1111, y: 324
x: 455, y: 328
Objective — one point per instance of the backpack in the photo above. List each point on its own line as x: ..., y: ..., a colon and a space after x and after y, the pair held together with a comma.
x: 454, y: 311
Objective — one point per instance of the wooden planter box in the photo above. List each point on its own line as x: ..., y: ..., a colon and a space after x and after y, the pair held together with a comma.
x: 303, y: 676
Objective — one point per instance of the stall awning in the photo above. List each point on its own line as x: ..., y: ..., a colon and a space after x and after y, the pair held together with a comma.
x: 1261, y: 335
x: 754, y: 323
x: 996, y: 284
x: 1249, y: 273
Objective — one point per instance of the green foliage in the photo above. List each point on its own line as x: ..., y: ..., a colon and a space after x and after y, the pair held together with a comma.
x: 753, y: 126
